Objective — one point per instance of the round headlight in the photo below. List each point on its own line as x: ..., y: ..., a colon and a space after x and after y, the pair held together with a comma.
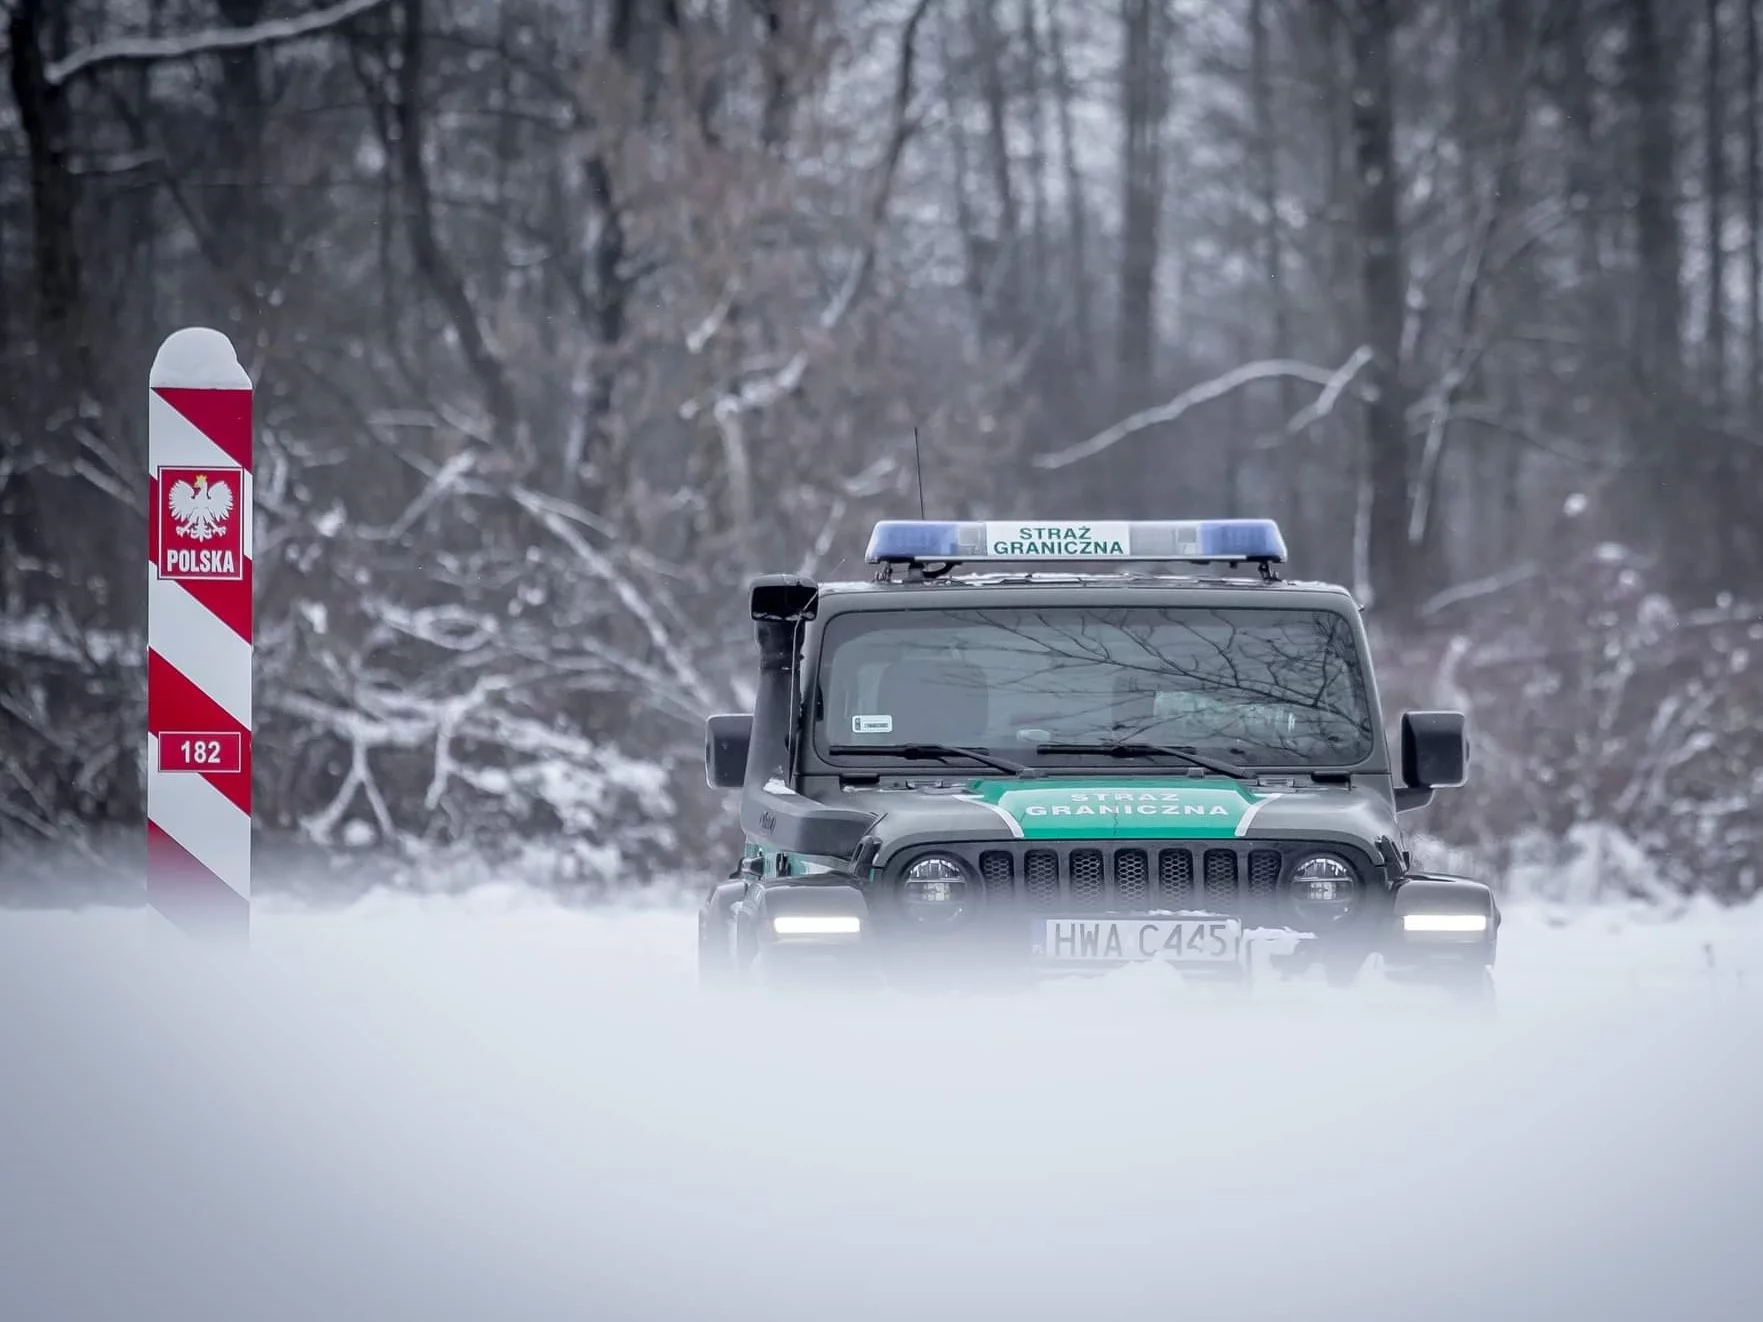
x: 936, y: 889
x: 1324, y: 888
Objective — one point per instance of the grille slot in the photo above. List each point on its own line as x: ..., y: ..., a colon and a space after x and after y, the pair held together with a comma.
x: 1264, y: 870
x: 1175, y: 878
x: 1132, y: 878
x: 1221, y: 877
x: 997, y: 871
x: 1040, y: 871
x: 1086, y: 879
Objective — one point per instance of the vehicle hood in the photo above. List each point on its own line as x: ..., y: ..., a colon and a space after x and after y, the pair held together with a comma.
x: 1117, y: 808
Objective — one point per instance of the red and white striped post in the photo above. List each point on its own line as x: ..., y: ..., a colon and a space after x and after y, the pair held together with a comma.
x: 199, y: 615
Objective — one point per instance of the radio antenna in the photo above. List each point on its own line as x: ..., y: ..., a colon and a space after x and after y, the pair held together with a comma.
x: 918, y: 466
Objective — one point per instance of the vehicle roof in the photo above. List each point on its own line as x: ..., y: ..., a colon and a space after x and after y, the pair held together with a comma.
x: 936, y: 592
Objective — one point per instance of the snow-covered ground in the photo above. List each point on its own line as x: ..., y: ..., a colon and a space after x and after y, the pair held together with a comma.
x: 489, y: 1107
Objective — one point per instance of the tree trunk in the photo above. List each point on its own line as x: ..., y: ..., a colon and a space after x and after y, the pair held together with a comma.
x: 1659, y: 243
x: 1273, y: 260
x: 1035, y: 90
x: 432, y: 260
x: 1144, y: 98
x: 43, y: 119
x: 638, y: 32
x: 1395, y: 576
x: 1714, y: 149
x: 58, y: 319
x: 241, y: 216
x: 1335, y: 476
x: 636, y: 39
x: 1076, y: 205
x: 780, y: 101
x: 1585, y: 185
x: 988, y: 49
x: 973, y: 244
x: 1753, y: 218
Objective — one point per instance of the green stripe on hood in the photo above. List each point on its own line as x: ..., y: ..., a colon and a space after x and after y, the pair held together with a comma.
x: 1148, y: 808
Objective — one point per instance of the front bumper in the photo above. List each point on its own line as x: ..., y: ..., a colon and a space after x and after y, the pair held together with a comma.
x: 1199, y: 944
x: 1421, y: 924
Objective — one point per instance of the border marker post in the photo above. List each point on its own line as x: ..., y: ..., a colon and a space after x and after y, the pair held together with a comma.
x: 199, y: 627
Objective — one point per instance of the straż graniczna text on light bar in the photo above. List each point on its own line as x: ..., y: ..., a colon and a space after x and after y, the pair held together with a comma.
x: 914, y: 541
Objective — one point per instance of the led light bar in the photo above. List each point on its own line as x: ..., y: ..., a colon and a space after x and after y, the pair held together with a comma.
x: 817, y: 925
x: 1445, y: 922
x: 912, y: 541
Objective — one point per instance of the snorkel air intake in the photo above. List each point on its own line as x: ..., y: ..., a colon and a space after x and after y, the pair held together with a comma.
x: 770, y: 812
x: 781, y: 603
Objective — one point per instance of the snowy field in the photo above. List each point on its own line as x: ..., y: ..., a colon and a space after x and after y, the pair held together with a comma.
x: 490, y: 1108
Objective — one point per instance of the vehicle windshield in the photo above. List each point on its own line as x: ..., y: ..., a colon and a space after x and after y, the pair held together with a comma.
x: 1257, y: 686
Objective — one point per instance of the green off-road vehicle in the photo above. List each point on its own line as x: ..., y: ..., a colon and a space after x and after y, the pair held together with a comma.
x: 953, y: 779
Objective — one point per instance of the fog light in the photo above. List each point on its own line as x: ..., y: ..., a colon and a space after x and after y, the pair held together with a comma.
x: 1445, y: 922
x: 801, y: 924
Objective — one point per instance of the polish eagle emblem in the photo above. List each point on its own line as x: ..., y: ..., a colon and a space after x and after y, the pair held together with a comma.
x: 200, y: 511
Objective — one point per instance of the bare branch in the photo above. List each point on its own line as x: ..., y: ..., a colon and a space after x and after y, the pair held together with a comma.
x: 672, y: 653
x: 714, y: 320
x: 1324, y: 404
x: 823, y: 542
x: 1478, y: 589
x: 1270, y: 369
x: 155, y: 50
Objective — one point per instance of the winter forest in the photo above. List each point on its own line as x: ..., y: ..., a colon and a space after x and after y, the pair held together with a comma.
x: 568, y: 316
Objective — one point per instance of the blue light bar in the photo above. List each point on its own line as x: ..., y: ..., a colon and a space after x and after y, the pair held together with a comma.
x: 1197, y: 541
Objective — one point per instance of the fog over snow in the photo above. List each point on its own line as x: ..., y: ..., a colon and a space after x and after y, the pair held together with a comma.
x: 490, y: 1107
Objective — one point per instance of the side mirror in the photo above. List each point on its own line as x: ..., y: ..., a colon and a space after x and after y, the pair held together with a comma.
x: 726, y: 740
x: 1435, y: 755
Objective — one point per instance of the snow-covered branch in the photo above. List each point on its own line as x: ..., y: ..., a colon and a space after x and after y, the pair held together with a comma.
x: 153, y: 50
x: 1218, y: 387
x: 1478, y: 589
x: 1324, y: 404
x: 630, y: 597
x: 714, y: 320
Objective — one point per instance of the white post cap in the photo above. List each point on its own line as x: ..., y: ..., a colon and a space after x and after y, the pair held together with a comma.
x: 197, y: 358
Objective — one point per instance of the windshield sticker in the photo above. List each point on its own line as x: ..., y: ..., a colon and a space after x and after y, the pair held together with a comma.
x: 872, y: 725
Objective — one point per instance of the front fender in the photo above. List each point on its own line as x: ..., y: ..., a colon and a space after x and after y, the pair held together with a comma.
x: 825, y: 896
x: 1450, y: 899
x: 838, y: 955
x: 717, y: 911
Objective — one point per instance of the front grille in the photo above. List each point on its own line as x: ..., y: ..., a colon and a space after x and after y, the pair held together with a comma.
x: 1220, y: 877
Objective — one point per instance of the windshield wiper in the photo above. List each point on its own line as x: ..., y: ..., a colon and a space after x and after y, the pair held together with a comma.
x: 939, y: 752
x: 1138, y: 748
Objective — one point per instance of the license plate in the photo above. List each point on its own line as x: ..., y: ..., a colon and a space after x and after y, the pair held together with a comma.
x: 1177, y: 940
